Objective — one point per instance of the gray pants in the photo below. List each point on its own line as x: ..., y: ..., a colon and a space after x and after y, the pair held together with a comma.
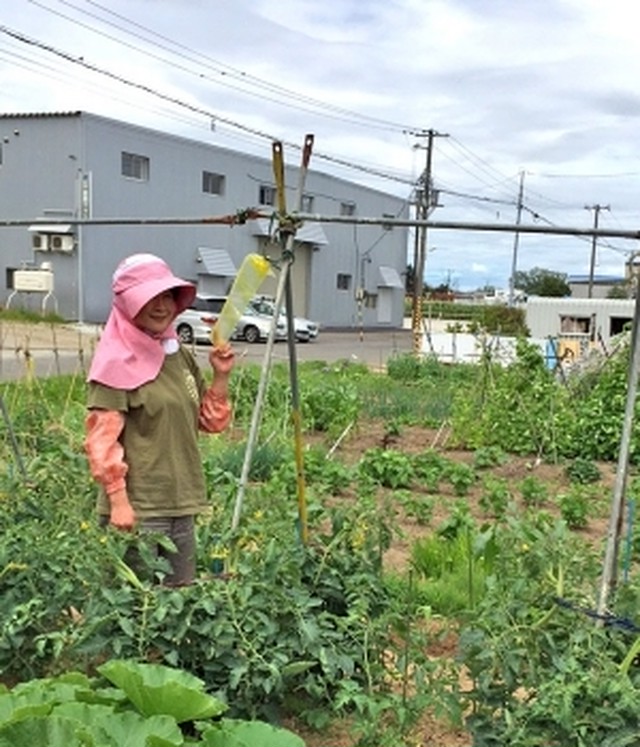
x: 181, y: 531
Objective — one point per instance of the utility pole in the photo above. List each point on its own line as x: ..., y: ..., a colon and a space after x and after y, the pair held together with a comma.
x: 425, y: 201
x: 596, y: 215
x: 516, y: 242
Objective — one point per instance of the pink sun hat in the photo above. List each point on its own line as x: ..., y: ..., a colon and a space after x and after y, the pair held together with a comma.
x: 141, y: 277
x: 126, y: 356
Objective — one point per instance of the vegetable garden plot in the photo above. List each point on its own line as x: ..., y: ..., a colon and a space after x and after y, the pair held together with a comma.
x: 335, y: 628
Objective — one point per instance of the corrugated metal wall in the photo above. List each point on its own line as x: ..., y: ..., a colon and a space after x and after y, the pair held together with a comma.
x: 41, y: 168
x: 544, y: 316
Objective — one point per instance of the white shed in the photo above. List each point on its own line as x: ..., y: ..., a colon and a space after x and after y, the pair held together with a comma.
x: 584, y: 320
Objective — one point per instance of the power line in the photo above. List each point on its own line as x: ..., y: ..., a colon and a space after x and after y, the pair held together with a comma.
x: 481, y: 164
x: 192, y: 107
x: 476, y: 198
x: 33, y: 65
x: 485, y: 169
x: 241, y: 80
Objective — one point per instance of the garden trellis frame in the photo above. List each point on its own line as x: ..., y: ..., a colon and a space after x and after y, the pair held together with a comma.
x: 609, y: 574
x: 286, y: 232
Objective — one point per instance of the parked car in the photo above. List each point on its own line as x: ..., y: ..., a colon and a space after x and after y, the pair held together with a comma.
x: 305, y: 330
x: 195, y: 323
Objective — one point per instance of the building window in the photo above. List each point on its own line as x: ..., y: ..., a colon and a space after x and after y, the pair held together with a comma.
x: 267, y: 195
x: 212, y: 184
x: 306, y: 205
x: 135, y: 167
x: 0, y: 154
x: 371, y: 300
x: 619, y: 324
x: 575, y: 325
x: 347, y: 208
x: 343, y: 282
x: 9, y: 273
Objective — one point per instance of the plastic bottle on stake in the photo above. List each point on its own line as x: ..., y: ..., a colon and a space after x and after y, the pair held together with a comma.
x: 253, y: 270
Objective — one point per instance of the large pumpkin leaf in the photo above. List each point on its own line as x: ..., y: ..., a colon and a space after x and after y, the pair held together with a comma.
x: 14, y: 708
x: 37, y: 697
x: 230, y: 733
x: 155, y: 690
x: 126, y: 729
x: 45, y: 731
x: 52, y: 689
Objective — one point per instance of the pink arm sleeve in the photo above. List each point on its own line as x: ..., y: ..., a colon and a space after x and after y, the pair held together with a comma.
x: 104, y: 450
x: 215, y: 412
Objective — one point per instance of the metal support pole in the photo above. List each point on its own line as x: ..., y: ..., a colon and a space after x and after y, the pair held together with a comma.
x: 610, y: 565
x: 254, y: 214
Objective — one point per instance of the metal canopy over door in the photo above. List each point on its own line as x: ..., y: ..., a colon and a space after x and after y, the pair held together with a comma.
x: 388, y: 281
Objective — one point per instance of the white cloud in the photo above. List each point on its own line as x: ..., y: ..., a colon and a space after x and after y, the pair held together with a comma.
x: 543, y: 85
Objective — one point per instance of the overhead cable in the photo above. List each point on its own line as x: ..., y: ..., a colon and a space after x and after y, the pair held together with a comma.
x: 192, y: 107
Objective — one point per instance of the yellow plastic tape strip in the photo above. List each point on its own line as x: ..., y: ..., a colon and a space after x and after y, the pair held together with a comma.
x: 253, y: 270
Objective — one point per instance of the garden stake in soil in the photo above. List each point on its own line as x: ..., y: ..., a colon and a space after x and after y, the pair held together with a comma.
x: 12, y: 439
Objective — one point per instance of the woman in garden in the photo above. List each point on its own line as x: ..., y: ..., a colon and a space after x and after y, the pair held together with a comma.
x: 147, y: 401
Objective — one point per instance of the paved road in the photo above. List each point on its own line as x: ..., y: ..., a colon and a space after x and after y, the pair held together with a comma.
x: 370, y: 347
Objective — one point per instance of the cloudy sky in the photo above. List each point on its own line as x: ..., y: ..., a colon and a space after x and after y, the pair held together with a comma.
x: 543, y: 92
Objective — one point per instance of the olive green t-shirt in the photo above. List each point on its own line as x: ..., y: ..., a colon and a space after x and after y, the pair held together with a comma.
x: 160, y: 439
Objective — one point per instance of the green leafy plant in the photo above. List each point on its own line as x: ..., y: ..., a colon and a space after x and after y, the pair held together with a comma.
x: 392, y: 428
x: 155, y: 689
x: 519, y: 408
x: 575, y: 506
x: 541, y: 673
x: 331, y: 475
x: 147, y: 706
x: 455, y: 566
x: 496, y: 496
x: 389, y: 468
x: 487, y: 456
x: 330, y: 402
x: 430, y: 468
x: 583, y: 471
x: 416, y: 505
x: 461, y: 476
x: 534, y: 491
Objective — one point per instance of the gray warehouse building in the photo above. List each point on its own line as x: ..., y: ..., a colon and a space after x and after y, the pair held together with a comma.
x: 77, y: 166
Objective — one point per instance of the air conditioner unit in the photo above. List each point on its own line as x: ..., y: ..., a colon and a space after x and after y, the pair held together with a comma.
x: 39, y: 242
x: 61, y: 243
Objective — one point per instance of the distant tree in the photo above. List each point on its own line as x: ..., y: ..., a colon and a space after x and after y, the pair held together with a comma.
x: 441, y: 292
x: 620, y: 291
x: 541, y: 282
